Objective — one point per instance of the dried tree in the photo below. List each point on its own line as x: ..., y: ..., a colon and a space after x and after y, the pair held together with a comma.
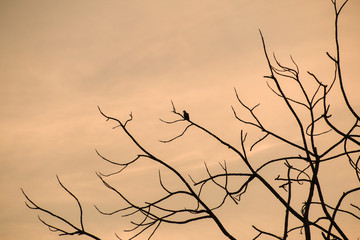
x: 302, y: 166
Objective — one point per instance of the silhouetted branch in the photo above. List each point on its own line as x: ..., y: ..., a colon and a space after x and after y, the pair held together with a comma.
x: 287, y: 212
x: 261, y: 232
x: 146, y: 210
x: 332, y: 223
x: 181, y: 134
x: 63, y: 232
x: 317, y: 140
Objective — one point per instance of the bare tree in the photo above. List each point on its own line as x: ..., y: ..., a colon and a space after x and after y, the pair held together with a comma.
x: 323, y: 139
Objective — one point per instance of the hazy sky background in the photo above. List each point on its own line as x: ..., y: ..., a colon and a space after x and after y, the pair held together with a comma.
x: 60, y: 59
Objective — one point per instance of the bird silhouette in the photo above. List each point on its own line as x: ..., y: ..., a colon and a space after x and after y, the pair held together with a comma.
x: 186, y: 116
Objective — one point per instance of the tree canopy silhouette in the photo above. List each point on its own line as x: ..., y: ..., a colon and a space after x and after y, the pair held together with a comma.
x: 295, y: 183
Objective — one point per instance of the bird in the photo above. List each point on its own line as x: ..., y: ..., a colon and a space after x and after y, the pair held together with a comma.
x: 186, y: 116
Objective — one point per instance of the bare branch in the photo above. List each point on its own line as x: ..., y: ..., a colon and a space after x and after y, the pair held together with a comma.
x: 181, y: 134
x: 75, y: 231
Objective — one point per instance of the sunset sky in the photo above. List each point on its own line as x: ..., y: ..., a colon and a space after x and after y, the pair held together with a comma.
x: 61, y: 59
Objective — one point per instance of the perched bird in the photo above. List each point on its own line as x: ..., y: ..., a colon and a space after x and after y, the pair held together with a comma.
x: 186, y: 116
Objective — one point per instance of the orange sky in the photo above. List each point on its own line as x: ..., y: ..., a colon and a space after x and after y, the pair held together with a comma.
x: 60, y: 59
